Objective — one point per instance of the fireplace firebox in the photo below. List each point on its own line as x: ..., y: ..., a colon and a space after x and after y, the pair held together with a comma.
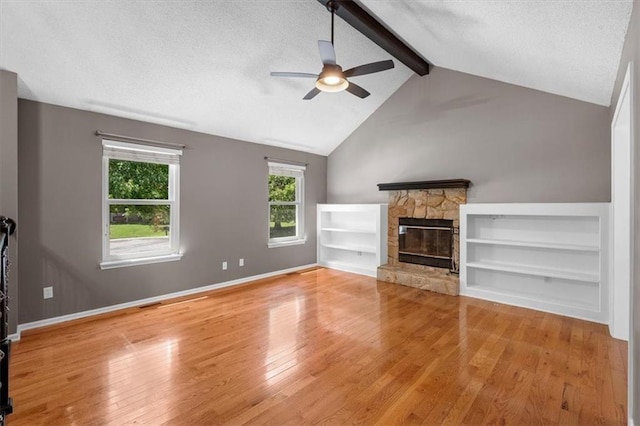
x: 426, y: 242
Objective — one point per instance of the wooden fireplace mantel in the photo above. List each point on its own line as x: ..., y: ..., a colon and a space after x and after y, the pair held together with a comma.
x: 427, y: 184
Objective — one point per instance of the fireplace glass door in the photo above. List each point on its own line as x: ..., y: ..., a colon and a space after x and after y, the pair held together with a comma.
x: 426, y: 242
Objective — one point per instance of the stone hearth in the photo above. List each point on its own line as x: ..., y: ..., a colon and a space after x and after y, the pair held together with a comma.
x: 425, y: 200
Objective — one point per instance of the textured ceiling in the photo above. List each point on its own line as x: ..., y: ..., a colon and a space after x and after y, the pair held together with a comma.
x: 204, y: 65
x: 566, y: 47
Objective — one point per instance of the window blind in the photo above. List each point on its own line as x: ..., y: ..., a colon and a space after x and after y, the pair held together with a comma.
x: 283, y: 169
x: 142, y: 153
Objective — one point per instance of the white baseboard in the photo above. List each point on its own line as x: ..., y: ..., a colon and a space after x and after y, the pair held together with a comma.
x: 631, y: 423
x: 132, y: 304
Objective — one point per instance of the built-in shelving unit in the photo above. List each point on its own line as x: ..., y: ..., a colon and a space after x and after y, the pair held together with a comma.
x: 352, y: 237
x: 551, y: 257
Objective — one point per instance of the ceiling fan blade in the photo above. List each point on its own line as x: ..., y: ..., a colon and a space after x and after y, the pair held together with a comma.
x: 312, y: 94
x: 354, y: 89
x: 327, y: 52
x: 293, y: 74
x: 369, y: 68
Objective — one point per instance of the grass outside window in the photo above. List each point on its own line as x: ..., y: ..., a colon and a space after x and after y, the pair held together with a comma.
x: 119, y: 231
x: 286, y: 229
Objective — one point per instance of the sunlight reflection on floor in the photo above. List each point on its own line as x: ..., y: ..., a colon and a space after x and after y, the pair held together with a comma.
x: 154, y: 360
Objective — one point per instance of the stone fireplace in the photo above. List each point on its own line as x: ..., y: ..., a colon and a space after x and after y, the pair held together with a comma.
x: 423, y: 237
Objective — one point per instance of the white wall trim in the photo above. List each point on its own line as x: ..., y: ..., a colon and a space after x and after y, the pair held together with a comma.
x: 140, y: 302
x: 620, y: 297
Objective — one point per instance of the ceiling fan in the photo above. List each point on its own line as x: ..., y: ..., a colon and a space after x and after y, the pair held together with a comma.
x: 332, y: 78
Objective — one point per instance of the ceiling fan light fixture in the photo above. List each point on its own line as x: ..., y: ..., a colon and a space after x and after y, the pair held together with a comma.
x: 332, y: 84
x: 331, y: 79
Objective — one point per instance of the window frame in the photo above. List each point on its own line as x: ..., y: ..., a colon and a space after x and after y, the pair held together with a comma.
x: 297, y: 171
x: 110, y: 261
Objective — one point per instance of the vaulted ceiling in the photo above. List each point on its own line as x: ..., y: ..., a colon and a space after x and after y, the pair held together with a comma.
x: 204, y: 65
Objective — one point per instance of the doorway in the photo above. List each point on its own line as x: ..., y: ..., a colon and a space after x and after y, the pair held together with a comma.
x: 622, y: 217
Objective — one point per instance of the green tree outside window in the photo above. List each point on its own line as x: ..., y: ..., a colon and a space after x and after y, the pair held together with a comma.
x: 282, y: 217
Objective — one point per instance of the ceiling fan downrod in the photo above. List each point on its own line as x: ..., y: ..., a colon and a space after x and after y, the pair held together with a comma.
x: 332, y: 6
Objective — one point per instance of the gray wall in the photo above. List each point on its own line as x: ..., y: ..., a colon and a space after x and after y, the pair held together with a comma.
x: 631, y: 52
x: 514, y: 144
x: 9, y: 178
x: 223, y: 212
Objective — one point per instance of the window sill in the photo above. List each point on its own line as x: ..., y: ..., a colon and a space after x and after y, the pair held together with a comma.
x: 121, y: 263
x: 287, y: 243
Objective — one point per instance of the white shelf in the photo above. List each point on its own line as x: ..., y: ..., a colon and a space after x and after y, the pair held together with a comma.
x: 352, y: 237
x: 535, y: 301
x: 539, y: 271
x: 545, y: 256
x: 349, y: 267
x: 362, y: 249
x: 354, y: 230
x: 553, y: 246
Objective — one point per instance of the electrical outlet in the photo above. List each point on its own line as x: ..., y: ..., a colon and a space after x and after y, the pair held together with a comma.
x: 224, y: 266
x: 241, y: 262
x: 47, y: 292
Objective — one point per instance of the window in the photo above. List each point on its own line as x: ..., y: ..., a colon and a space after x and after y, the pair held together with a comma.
x: 140, y: 207
x: 286, y: 204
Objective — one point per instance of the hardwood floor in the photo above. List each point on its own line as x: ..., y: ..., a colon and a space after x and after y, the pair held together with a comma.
x: 320, y: 347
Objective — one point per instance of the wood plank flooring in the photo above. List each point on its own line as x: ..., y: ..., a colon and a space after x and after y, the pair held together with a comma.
x: 322, y: 347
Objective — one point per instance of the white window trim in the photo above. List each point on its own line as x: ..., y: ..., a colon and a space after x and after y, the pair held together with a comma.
x: 112, y: 264
x: 111, y: 261
x: 298, y: 171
